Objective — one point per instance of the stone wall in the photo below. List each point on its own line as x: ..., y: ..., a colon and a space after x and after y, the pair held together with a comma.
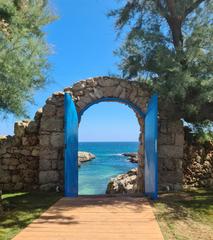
x: 19, y: 156
x: 34, y: 156
x: 170, y: 154
x: 51, y: 137
x: 198, y: 164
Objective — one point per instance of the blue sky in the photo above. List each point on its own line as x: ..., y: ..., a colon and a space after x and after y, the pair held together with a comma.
x: 83, y: 40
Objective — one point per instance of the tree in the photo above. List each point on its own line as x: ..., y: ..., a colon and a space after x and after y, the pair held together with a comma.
x: 168, y: 43
x: 23, y: 52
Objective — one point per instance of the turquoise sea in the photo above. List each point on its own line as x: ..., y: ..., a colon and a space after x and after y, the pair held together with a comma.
x: 95, y: 174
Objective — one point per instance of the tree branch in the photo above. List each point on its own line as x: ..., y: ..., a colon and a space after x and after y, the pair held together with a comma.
x: 192, y: 7
x: 161, y: 8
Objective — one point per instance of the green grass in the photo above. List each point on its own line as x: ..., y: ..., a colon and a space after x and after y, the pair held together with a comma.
x: 20, y: 209
x: 186, y: 215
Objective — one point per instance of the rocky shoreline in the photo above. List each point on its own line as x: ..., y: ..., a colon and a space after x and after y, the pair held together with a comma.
x: 126, y: 182
x: 123, y: 183
x: 132, y: 156
x: 84, y: 157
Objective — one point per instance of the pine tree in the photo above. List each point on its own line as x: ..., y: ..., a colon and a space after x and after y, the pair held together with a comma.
x: 23, y: 52
x: 169, y: 43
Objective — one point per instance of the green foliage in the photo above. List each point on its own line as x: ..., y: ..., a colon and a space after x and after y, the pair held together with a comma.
x: 170, y: 44
x: 23, y: 52
x: 203, y: 133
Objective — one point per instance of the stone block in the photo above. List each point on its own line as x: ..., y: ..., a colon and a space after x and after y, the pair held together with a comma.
x: 57, y: 140
x: 25, y: 141
x: 7, y: 187
x: 49, y: 110
x: 16, y: 178
x: 107, y: 82
x: 118, y: 91
x: 28, y: 173
x: 179, y: 139
x: 60, y: 112
x: 123, y: 94
x: 170, y: 151
x: 124, y: 83
x: 36, y: 152
x: 48, y: 153
x: 38, y: 115
x: 11, y: 167
x: 54, y: 164
x: 80, y: 104
x: 25, y: 152
x: 19, y: 128
x: 109, y: 91
x: 86, y: 99
x: 18, y: 186
x: 176, y: 127
x: 45, y: 164
x: 32, y: 128
x: 98, y: 93
x: 28, y: 180
x: 22, y: 166
x: 48, y: 177
x: 10, y: 161
x: 163, y: 126
x: 52, y: 124
x: 44, y: 140
x: 91, y: 82
x: 166, y: 139
x: 48, y: 187
x: 30, y: 140
x: 79, y: 86
x: 5, y: 176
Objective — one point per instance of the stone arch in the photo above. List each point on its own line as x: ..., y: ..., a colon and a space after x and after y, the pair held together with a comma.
x: 86, y: 93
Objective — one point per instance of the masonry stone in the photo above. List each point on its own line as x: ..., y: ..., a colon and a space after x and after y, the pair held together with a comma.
x: 57, y: 139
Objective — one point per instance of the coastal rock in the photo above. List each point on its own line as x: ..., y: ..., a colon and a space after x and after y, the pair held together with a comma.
x: 84, y: 157
x: 132, y: 157
x: 123, y: 183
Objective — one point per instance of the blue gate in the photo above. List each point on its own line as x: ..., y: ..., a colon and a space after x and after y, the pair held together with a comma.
x: 71, y: 148
x: 151, y: 155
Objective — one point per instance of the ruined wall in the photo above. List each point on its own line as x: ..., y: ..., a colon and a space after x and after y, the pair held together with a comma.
x: 33, y: 157
x: 198, y: 164
x: 19, y: 156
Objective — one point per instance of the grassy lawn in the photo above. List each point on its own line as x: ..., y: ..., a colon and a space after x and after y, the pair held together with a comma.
x: 186, y: 215
x: 22, y: 208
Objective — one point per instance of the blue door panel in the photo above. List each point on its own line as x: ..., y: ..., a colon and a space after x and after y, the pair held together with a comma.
x: 71, y: 148
x: 151, y: 154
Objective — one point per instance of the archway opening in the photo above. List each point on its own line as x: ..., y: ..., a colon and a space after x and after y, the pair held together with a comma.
x: 107, y: 130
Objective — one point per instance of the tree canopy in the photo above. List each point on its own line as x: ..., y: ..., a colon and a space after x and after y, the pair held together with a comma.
x: 168, y: 43
x: 23, y: 52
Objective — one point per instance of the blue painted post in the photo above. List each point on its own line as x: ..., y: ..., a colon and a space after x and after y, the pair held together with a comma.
x: 71, y: 148
x: 151, y: 152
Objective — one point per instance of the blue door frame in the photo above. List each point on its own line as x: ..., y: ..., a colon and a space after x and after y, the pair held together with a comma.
x: 151, y: 152
x: 71, y: 120
x: 71, y: 148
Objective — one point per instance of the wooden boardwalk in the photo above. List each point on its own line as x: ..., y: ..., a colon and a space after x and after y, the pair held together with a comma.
x: 95, y: 218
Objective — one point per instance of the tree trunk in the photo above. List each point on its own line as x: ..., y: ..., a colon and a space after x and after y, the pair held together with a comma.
x: 175, y: 24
